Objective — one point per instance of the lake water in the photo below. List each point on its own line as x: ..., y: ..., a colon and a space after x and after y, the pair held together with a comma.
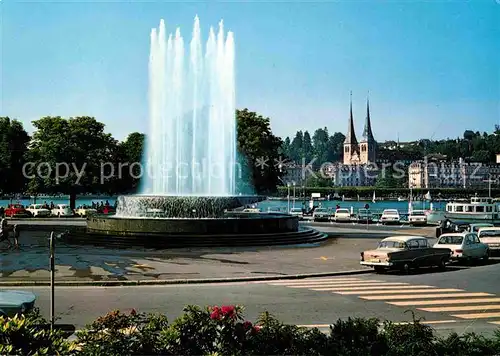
x: 265, y: 205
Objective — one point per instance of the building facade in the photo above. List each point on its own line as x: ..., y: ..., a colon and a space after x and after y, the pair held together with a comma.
x: 452, y: 174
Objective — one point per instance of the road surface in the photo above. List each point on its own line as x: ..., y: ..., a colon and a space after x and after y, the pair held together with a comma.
x: 461, y: 299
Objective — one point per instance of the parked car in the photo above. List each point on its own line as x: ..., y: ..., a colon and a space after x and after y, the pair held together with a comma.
x: 321, y: 214
x: 62, y: 210
x: 37, y: 210
x: 417, y: 217
x: 365, y: 216
x: 405, y: 253
x: 475, y: 227
x: 297, y: 212
x: 390, y: 216
x: 464, y: 246
x: 16, y: 211
x: 14, y: 302
x: 84, y: 212
x: 491, y: 237
x: 342, y: 215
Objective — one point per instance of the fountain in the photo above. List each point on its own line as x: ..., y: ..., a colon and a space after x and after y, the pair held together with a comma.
x: 190, y: 169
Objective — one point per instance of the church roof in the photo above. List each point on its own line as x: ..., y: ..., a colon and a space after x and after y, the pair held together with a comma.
x: 367, y: 132
x: 351, y: 134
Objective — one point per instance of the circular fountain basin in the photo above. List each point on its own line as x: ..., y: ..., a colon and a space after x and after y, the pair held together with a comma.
x: 169, y: 221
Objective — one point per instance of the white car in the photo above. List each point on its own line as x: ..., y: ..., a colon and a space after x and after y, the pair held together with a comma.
x: 62, y: 210
x: 37, y: 210
x: 321, y: 214
x: 342, y: 215
x: 390, y: 216
x: 491, y: 237
x: 464, y: 246
x: 475, y: 227
x: 417, y: 217
x: 83, y: 212
x: 297, y: 212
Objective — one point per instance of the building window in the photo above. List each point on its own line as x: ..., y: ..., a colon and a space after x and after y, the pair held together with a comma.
x: 479, y: 209
x: 470, y: 209
x: 459, y: 208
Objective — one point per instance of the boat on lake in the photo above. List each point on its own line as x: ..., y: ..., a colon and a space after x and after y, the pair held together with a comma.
x: 478, y: 209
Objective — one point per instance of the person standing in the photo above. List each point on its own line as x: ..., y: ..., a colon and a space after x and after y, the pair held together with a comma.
x: 16, y: 233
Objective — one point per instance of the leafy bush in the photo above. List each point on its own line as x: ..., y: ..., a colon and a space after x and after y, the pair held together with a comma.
x: 223, y: 331
x: 29, y: 335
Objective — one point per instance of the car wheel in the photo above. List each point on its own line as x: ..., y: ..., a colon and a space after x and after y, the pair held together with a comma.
x: 406, y: 268
x: 379, y: 269
x: 486, y: 256
x: 58, y: 215
x: 23, y: 308
x: 442, y: 264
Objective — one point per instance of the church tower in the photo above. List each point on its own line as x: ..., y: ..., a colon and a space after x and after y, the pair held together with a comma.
x: 368, y: 145
x: 351, y: 147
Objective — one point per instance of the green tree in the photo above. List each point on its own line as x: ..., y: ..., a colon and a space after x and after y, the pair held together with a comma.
x: 320, y: 146
x: 297, y: 147
x: 70, y: 156
x: 13, y: 147
x: 336, y: 147
x: 307, y: 147
x: 257, y: 144
x: 130, y: 157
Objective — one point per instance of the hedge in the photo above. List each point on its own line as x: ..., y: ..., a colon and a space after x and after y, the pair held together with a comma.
x: 224, y: 331
x: 353, y: 192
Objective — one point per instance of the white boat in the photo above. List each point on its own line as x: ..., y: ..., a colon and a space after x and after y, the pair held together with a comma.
x: 478, y: 209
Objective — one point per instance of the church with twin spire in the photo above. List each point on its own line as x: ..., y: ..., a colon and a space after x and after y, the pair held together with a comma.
x: 358, y: 167
x: 364, y: 151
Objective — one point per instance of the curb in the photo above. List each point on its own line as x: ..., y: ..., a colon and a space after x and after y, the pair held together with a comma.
x: 179, y: 281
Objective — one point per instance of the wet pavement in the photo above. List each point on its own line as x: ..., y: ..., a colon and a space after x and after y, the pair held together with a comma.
x: 90, y: 263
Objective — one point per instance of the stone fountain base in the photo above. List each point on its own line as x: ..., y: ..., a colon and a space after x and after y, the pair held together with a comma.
x: 167, y: 221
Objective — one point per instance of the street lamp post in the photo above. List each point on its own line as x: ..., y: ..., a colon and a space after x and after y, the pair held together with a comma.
x: 288, y: 197
x: 293, y: 194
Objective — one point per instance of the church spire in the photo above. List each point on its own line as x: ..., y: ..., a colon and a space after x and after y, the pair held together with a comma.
x: 351, y: 134
x: 367, y: 132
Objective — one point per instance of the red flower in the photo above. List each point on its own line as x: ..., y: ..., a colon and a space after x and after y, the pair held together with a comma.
x: 133, y: 312
x: 229, y: 310
x: 247, y: 325
x: 216, y: 313
x: 256, y: 328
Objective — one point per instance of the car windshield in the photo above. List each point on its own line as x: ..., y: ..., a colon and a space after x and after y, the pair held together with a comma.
x: 391, y: 244
x: 476, y: 228
x: 343, y: 211
x: 451, y: 240
x: 490, y: 233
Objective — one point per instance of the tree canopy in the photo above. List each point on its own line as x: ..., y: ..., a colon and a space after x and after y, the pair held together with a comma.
x: 13, y: 147
x: 260, y: 151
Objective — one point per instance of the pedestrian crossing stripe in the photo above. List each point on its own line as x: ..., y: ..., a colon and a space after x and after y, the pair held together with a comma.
x: 461, y: 308
x: 478, y: 315
x: 425, y: 298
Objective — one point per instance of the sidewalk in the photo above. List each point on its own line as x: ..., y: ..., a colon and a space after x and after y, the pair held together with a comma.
x: 89, y: 263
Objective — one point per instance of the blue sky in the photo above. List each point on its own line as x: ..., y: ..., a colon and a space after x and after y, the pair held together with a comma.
x: 432, y: 68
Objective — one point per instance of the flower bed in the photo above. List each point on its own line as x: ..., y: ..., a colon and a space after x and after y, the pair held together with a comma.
x: 223, y: 331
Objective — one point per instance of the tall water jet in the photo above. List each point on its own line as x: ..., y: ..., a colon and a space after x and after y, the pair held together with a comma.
x: 191, y: 144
